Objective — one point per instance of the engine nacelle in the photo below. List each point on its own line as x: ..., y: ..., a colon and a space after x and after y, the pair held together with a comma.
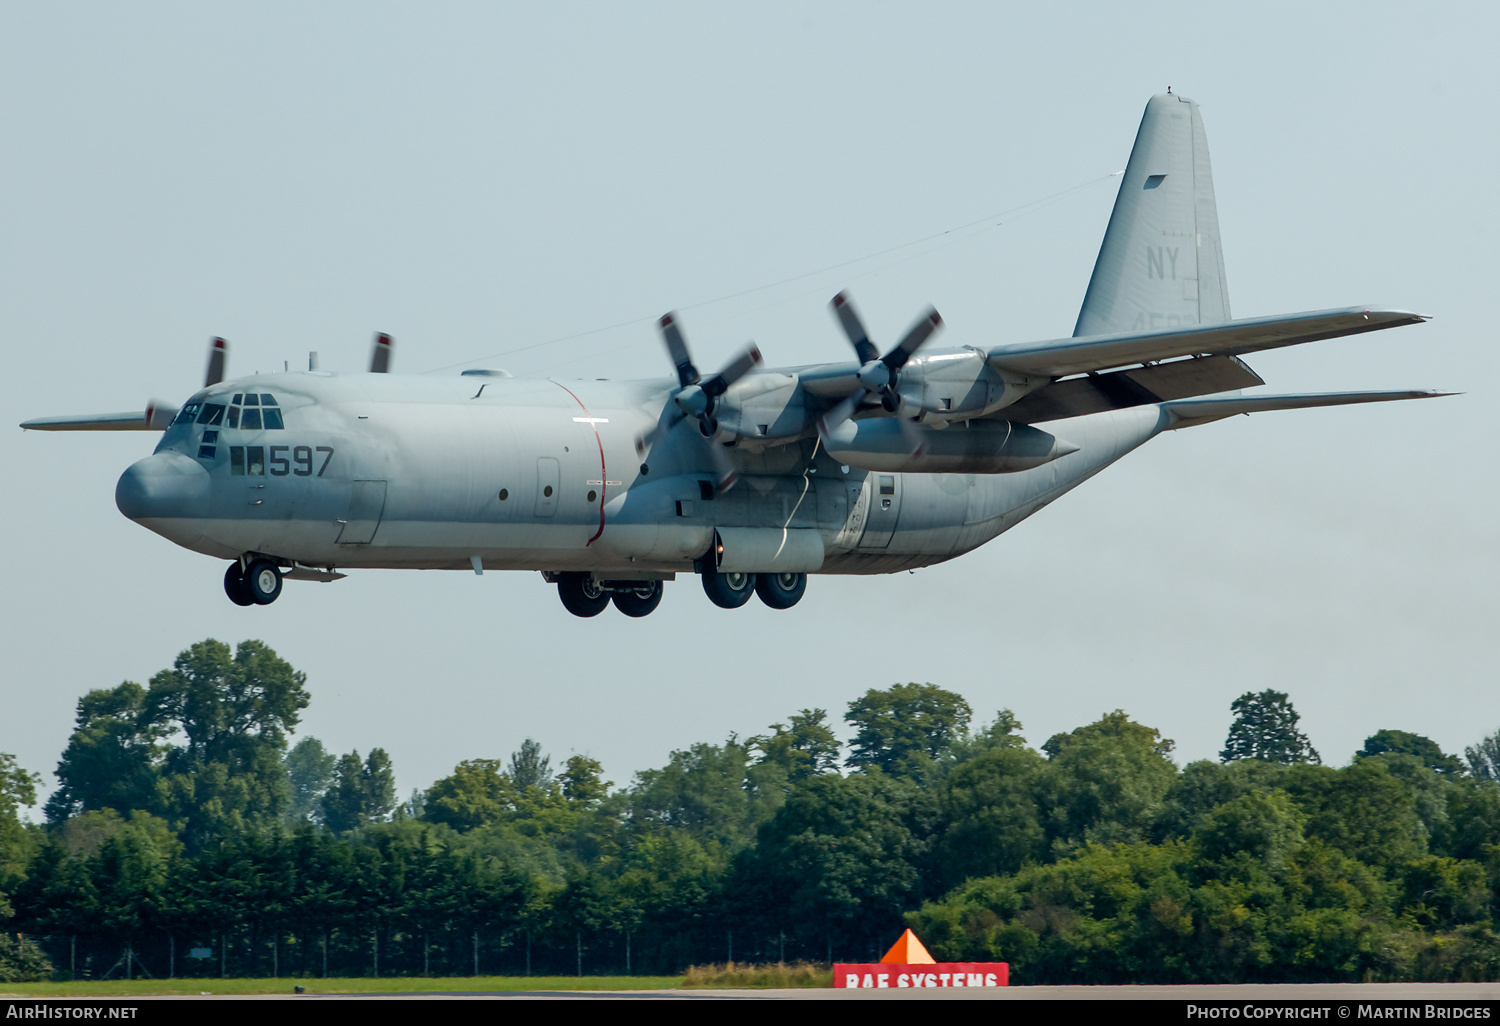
x: 973, y: 447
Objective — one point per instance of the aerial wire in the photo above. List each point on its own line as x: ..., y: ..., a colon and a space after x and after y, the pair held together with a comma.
x: 988, y: 222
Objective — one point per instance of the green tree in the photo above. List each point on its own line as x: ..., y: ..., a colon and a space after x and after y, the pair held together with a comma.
x: 839, y: 860
x: 529, y: 767
x: 583, y: 781
x: 803, y: 747
x: 1105, y: 782
x: 477, y: 792
x: 309, y: 772
x: 361, y: 793
x: 991, y: 821
x: 1265, y: 728
x: 113, y: 757
x: 903, y: 729
x: 1402, y: 743
x: 1484, y: 758
x: 17, y: 790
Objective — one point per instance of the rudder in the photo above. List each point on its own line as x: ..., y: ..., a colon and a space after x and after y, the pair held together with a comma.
x: 1161, y: 264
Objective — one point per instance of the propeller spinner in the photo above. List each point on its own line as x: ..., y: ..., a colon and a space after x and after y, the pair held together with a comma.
x: 698, y: 399
x: 878, y: 375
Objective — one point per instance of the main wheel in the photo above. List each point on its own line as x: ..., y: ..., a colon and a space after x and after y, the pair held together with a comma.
x: 641, y: 602
x: 728, y: 591
x: 580, y: 595
x: 263, y: 581
x: 235, y: 586
x: 780, y: 591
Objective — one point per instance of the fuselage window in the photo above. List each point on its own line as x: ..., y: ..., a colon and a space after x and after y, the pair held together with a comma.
x: 255, y: 460
x: 206, y: 452
x: 237, y: 460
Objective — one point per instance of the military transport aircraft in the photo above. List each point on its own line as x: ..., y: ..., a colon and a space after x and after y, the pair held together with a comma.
x: 752, y: 478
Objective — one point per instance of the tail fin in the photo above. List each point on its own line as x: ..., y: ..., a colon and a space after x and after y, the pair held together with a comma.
x: 1161, y: 265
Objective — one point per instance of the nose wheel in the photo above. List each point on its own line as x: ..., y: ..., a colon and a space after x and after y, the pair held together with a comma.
x: 258, y: 585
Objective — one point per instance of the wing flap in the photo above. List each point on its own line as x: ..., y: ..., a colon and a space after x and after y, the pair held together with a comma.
x: 1138, y: 386
x: 1192, y: 412
x: 1231, y: 338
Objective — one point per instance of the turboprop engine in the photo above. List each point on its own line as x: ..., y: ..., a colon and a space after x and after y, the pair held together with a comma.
x: 972, y: 447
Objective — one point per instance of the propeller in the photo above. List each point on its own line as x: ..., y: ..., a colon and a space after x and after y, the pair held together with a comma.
x: 218, y: 354
x: 878, y: 375
x: 380, y: 356
x: 698, y: 399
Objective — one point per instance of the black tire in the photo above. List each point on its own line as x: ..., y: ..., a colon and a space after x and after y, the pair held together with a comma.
x: 263, y: 581
x: 580, y: 595
x: 639, y: 603
x: 728, y: 591
x: 780, y: 591
x: 235, y: 587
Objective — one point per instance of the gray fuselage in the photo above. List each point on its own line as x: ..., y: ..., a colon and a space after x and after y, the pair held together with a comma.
x: 378, y: 470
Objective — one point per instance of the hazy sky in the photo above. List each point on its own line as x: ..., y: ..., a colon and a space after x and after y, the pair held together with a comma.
x: 479, y: 179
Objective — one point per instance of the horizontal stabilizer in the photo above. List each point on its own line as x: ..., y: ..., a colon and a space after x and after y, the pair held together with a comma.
x: 1192, y: 412
x: 1231, y: 338
x: 156, y: 417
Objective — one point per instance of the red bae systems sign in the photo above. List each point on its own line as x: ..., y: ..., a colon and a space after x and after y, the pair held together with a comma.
x: 930, y: 974
x: 908, y: 964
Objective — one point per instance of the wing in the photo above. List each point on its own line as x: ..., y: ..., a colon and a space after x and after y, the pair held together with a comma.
x: 156, y: 418
x: 1230, y: 338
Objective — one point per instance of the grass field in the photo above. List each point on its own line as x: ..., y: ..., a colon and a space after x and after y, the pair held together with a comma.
x: 353, y: 985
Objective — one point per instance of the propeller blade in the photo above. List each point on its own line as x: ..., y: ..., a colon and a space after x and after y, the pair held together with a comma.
x: 724, y: 470
x: 218, y: 352
x: 864, y: 349
x: 380, y: 356
x: 656, y: 434
x: 912, y: 435
x: 687, y: 374
x: 919, y: 333
x: 733, y: 371
x: 840, y: 413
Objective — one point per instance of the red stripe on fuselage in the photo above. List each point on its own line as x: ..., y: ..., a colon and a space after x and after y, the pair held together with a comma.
x: 603, y: 477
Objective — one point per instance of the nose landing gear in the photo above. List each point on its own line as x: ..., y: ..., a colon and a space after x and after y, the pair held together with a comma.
x: 258, y: 584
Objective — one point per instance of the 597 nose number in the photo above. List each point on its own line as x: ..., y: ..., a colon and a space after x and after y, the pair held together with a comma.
x: 297, y: 460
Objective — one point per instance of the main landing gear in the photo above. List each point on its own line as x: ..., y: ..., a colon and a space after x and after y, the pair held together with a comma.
x: 258, y: 584
x: 732, y: 590
x: 582, y: 595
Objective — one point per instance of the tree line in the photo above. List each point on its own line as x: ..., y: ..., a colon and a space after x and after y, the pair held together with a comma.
x: 186, y: 837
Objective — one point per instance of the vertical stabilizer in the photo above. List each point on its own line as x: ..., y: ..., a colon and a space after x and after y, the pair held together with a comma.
x: 1161, y: 265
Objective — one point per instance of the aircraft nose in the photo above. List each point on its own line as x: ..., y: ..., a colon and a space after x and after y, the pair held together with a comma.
x: 165, y: 486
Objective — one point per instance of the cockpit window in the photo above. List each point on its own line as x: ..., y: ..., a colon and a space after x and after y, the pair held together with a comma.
x: 253, y: 411
x: 213, y: 413
x: 188, y: 413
